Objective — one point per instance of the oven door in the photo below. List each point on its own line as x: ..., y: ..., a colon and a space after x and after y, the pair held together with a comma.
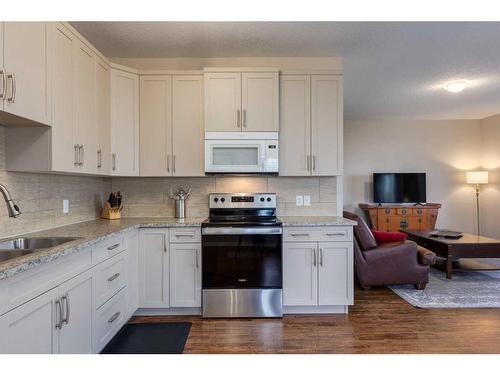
x: 242, y: 258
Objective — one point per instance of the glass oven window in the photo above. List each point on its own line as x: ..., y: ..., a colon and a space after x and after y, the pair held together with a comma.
x: 222, y: 155
x: 242, y: 261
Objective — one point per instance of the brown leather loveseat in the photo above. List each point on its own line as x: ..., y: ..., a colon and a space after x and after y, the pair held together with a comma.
x: 390, y: 263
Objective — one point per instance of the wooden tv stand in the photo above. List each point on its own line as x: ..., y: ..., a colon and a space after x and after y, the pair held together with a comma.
x: 393, y: 217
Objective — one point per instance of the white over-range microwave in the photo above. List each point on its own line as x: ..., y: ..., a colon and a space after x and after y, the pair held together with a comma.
x: 241, y: 152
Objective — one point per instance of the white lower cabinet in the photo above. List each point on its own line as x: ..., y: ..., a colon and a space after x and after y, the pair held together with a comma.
x: 318, y: 273
x: 185, y: 275
x: 154, y: 268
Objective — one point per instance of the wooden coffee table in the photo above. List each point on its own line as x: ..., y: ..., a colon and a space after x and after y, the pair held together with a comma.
x: 468, y: 246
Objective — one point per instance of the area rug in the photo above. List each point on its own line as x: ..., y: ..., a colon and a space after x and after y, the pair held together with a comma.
x: 464, y: 290
x: 149, y: 338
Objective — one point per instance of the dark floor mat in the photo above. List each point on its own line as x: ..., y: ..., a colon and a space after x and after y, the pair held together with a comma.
x: 149, y: 338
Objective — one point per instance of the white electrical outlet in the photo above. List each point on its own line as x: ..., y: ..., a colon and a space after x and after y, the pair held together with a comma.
x: 307, y: 200
x: 299, y: 200
x: 65, y: 206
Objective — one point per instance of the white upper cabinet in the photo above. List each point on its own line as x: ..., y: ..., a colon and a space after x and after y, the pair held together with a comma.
x: 103, y: 119
x: 26, y: 68
x: 124, y: 123
x: 260, y: 101
x: 187, y: 126
x: 223, y: 102
x: 326, y: 125
x: 242, y: 101
x: 86, y: 124
x: 295, y: 134
x: 63, y: 145
x: 311, y: 138
x: 156, y: 125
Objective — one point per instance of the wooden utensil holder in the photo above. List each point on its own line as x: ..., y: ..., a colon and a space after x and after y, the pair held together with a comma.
x: 111, y: 213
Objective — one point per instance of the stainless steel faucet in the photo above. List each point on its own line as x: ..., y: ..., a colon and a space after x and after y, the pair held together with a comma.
x: 13, y: 209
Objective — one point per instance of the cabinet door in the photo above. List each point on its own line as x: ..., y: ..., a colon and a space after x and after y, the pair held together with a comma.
x: 326, y: 125
x: 300, y: 274
x: 222, y: 102
x: 155, y: 125
x: 187, y: 120
x: 30, y: 328
x: 124, y: 123
x: 2, y: 68
x: 26, y: 60
x: 295, y: 134
x: 64, y: 46
x: 132, y: 245
x: 335, y: 273
x: 185, y: 275
x: 260, y: 102
x: 154, y: 268
x: 75, y: 336
x: 102, y: 109
x: 86, y: 125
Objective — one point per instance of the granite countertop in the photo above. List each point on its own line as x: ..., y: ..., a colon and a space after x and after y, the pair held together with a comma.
x: 89, y: 233
x: 315, y: 221
x: 95, y: 231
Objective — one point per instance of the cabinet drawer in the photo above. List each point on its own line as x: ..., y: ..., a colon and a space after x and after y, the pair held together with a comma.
x: 107, y: 249
x: 109, y: 277
x: 404, y: 211
x: 185, y: 235
x: 108, y: 320
x: 418, y: 211
x: 301, y: 234
x: 387, y: 211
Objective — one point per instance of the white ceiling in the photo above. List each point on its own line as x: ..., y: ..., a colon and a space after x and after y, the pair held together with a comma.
x: 391, y: 70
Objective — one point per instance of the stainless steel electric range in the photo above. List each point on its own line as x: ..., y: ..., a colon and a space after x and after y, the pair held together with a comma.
x: 242, y: 257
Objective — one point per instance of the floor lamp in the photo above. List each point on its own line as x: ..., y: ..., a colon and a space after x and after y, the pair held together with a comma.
x: 477, y: 178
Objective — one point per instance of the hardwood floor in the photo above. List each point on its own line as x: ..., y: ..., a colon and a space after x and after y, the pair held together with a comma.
x: 379, y: 322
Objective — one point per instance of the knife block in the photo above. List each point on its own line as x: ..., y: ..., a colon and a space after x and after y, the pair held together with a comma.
x: 110, y: 213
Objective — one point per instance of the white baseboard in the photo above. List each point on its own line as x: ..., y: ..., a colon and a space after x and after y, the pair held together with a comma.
x: 315, y: 309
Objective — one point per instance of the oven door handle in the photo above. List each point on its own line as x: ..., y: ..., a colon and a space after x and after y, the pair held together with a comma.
x: 238, y: 230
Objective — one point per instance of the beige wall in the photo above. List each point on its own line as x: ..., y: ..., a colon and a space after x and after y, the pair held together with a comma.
x: 490, y: 160
x: 149, y: 196
x: 442, y: 149
x: 40, y: 196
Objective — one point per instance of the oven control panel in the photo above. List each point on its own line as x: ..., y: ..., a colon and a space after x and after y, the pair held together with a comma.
x: 242, y: 200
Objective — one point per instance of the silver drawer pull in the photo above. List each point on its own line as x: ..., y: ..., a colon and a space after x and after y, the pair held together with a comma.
x: 115, y: 276
x: 113, y: 247
x: 114, y: 317
x: 335, y: 234
x: 300, y: 234
x: 185, y: 235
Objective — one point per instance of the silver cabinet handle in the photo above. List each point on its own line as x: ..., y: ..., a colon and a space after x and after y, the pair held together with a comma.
x: 113, y: 247
x: 82, y: 152
x: 114, y: 317
x: 197, y: 265
x: 59, y: 310
x: 185, y: 235
x: 321, y: 257
x: 114, y: 277
x: 335, y: 234
x: 314, y: 257
x: 238, y: 118
x: 65, y: 298
x: 12, y: 98
x: 314, y: 162
x: 168, y: 163
x: 173, y: 163
x: 164, y: 244
x: 3, y: 94
x: 244, y: 118
x: 113, y: 159
x: 299, y: 234
x: 75, y: 155
x: 99, y: 159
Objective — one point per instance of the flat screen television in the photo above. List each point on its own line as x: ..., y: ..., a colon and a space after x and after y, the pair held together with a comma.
x: 399, y: 188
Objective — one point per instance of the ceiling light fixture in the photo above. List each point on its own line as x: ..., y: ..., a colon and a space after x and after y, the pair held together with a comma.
x: 456, y: 86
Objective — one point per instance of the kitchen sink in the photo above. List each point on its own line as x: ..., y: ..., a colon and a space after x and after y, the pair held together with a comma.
x: 26, y: 245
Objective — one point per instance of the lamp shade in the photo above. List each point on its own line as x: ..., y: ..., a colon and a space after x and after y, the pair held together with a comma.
x: 477, y: 177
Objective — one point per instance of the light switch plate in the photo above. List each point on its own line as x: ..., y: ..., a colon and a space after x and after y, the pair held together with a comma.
x: 307, y: 200
x: 299, y: 200
x: 65, y: 206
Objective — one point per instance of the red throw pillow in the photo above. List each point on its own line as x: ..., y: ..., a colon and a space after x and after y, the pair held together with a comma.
x: 385, y: 237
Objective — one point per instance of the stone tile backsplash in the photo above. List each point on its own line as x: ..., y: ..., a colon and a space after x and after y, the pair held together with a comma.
x: 40, y: 195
